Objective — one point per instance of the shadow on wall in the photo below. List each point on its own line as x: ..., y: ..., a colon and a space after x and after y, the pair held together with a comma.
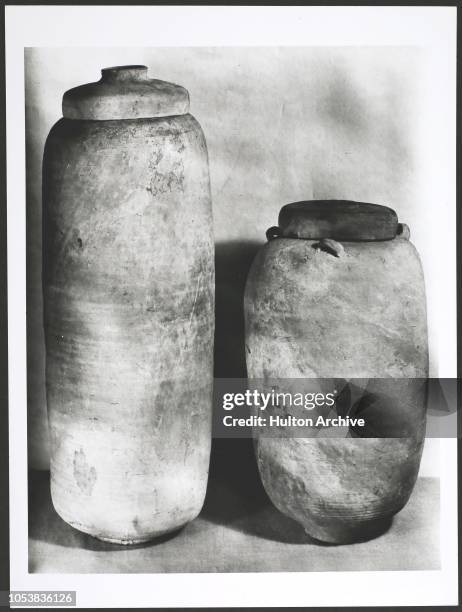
x: 232, y: 263
x: 232, y: 461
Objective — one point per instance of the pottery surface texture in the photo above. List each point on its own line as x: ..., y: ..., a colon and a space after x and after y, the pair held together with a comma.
x: 129, y: 300
x: 315, y: 313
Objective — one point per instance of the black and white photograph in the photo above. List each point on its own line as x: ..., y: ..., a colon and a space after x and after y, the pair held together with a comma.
x: 233, y: 379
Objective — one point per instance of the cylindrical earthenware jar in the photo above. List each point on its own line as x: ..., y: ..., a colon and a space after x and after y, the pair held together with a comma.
x: 337, y: 294
x: 129, y: 299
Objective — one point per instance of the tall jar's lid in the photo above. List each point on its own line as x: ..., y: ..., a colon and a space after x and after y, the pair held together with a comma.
x: 339, y: 220
x: 125, y: 92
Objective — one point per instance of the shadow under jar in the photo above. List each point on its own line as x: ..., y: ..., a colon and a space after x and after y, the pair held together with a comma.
x: 128, y: 280
x: 336, y: 297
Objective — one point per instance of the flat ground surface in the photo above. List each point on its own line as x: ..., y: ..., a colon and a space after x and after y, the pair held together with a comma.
x: 238, y: 530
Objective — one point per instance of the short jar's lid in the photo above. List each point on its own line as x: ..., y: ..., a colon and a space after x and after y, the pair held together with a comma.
x: 125, y: 92
x: 339, y: 220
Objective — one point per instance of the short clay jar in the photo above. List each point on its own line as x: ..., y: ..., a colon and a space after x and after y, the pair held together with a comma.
x: 337, y: 293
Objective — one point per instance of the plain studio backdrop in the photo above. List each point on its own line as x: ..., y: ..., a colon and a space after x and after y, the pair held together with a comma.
x: 282, y: 124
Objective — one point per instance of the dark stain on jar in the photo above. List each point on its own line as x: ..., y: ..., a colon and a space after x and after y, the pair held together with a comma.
x: 84, y: 474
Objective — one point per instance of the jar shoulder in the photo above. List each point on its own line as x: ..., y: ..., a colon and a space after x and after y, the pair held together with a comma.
x: 287, y: 257
x: 71, y: 131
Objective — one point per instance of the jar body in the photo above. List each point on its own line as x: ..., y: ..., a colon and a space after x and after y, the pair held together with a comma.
x: 128, y: 296
x: 310, y: 314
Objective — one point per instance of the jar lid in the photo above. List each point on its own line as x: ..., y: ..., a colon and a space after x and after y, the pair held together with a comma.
x: 125, y: 92
x: 339, y: 220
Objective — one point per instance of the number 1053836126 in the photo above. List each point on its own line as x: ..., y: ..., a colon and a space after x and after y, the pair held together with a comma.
x: 37, y: 598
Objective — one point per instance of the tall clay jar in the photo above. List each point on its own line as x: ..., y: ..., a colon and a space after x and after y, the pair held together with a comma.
x: 129, y: 301
x: 337, y: 294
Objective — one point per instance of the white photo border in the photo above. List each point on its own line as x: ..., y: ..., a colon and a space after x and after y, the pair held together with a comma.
x: 106, y: 26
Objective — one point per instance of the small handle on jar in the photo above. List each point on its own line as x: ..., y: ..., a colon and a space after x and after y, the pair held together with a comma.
x: 403, y: 231
x: 273, y: 232
x: 330, y: 246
